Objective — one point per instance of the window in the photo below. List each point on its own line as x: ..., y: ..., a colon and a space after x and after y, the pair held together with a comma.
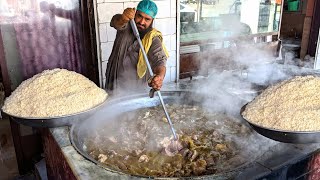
x: 203, y: 19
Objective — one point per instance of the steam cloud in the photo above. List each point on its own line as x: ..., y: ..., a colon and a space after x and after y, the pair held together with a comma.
x: 236, y: 79
x: 248, y: 72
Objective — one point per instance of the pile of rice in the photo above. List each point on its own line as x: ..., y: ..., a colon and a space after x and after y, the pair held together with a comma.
x: 56, y: 92
x: 291, y: 105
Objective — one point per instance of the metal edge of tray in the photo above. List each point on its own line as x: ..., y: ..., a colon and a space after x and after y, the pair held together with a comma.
x: 296, y: 137
x: 56, y: 121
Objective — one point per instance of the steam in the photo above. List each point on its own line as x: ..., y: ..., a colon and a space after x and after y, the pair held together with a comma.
x: 248, y: 70
x: 234, y: 79
x: 225, y: 90
x: 228, y: 87
x: 128, y: 86
x: 245, y: 68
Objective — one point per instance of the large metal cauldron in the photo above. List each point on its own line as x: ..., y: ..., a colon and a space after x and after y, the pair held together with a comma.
x: 117, y: 106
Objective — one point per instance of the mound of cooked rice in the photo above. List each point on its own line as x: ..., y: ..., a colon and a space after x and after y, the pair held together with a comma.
x: 56, y: 92
x: 292, y: 105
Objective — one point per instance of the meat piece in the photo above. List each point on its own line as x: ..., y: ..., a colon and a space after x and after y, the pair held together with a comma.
x: 144, y: 158
x: 102, y: 158
x: 113, y: 139
x: 165, y: 142
x: 184, y: 152
x: 137, y: 152
x: 199, y: 167
x: 93, y: 154
x: 195, y: 154
x: 147, y: 114
x: 195, y: 137
x: 113, y: 152
x: 126, y: 157
x: 221, y: 147
x: 122, y: 166
x: 164, y: 119
x: 210, y: 161
x: 173, y: 148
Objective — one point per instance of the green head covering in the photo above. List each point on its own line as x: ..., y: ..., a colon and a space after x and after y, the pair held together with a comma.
x: 148, y: 7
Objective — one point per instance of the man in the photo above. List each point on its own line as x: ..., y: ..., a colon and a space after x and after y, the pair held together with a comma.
x: 69, y: 38
x: 126, y: 68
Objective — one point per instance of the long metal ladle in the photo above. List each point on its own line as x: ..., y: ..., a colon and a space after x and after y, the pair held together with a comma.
x: 136, y: 33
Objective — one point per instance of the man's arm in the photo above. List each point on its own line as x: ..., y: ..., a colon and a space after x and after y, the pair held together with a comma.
x: 119, y: 21
x: 157, y: 58
x: 67, y: 14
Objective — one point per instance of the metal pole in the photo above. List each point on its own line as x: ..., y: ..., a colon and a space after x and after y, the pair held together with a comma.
x: 136, y: 33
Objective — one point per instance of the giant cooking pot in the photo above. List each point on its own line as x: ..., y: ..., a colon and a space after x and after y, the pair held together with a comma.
x: 115, y: 107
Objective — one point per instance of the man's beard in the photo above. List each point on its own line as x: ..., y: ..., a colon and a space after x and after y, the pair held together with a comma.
x: 143, y: 32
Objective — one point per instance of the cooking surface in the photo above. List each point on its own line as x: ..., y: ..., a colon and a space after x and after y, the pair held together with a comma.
x: 225, y: 140
x: 276, y: 157
x: 211, y: 142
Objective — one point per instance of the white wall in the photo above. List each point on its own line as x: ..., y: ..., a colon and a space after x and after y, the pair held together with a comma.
x: 165, y: 21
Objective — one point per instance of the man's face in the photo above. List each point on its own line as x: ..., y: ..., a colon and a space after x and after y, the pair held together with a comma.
x: 143, y: 21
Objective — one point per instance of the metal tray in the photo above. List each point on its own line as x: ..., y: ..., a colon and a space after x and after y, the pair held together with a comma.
x: 296, y: 137
x: 57, y: 121
x: 121, y: 105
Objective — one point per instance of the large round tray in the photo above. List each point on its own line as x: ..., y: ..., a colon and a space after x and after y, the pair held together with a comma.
x: 121, y: 105
x: 297, y: 137
x: 57, y: 121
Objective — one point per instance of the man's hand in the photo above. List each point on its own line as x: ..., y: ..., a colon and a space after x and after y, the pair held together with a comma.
x: 120, y: 20
x: 157, y: 79
x: 156, y: 82
x: 128, y: 14
x: 45, y: 7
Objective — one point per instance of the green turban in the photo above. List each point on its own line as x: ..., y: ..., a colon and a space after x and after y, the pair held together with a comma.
x: 148, y: 7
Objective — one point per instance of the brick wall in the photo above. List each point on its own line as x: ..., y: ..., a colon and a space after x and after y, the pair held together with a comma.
x: 165, y: 21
